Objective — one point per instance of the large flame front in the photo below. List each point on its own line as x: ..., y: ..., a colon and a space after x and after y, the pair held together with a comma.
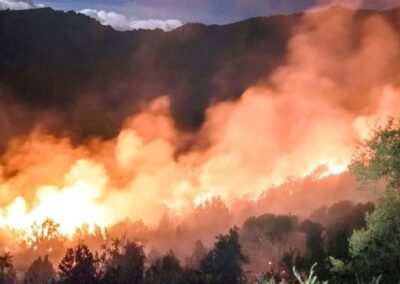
x: 71, y: 206
x: 311, y: 113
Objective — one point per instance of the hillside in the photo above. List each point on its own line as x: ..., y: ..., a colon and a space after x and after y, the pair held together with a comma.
x: 90, y: 77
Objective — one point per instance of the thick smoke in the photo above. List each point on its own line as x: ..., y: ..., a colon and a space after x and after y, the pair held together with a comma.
x: 303, y: 120
x: 365, y: 4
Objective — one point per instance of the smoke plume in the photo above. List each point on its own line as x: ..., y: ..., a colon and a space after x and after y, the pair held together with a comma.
x: 303, y: 119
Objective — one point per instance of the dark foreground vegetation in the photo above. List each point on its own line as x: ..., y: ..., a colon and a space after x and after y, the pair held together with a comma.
x: 343, y: 243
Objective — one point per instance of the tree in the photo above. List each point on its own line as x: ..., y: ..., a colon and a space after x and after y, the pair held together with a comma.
x: 315, y: 252
x: 41, y: 271
x: 266, y: 238
x: 289, y: 259
x: 7, y: 273
x: 375, y: 250
x: 379, y: 157
x: 125, y: 264
x: 342, y: 226
x: 198, y: 254
x: 80, y: 266
x: 223, y: 263
x: 166, y: 269
x: 45, y: 238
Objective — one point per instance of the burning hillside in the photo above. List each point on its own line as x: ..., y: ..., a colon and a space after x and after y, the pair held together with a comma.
x: 306, y: 117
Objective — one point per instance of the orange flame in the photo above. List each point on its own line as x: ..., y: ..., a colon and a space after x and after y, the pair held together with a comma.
x: 320, y: 104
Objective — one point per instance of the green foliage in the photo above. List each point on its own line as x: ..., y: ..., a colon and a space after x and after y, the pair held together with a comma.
x: 375, y: 250
x: 380, y: 157
x: 338, y: 265
x: 223, y: 263
x: 348, y: 218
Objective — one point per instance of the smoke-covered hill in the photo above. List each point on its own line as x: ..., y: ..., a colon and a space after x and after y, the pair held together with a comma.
x: 71, y: 75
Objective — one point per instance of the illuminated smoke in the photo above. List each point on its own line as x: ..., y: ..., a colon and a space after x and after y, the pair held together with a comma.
x: 340, y: 79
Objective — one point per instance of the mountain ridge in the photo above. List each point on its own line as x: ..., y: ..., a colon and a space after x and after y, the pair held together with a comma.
x: 89, y: 77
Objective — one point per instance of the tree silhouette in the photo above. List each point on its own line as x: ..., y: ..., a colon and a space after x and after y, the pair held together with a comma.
x: 45, y: 238
x: 198, y: 254
x: 7, y: 273
x: 223, y: 263
x: 268, y: 237
x: 41, y: 271
x: 315, y: 251
x: 80, y: 266
x: 166, y: 269
x: 125, y: 264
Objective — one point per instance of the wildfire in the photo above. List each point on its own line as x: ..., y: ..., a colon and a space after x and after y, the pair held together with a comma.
x: 130, y: 177
x: 72, y: 206
x: 309, y: 118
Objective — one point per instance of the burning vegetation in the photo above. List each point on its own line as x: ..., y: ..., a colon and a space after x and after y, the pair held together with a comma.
x: 144, y: 202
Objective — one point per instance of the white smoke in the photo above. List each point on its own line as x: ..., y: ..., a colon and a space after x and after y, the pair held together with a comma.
x: 123, y: 23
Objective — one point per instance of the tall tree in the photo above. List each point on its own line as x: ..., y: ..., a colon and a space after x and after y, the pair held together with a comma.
x: 45, y: 239
x: 267, y: 237
x: 343, y: 225
x: 125, y: 264
x: 315, y: 251
x: 166, y: 269
x: 41, y: 271
x: 198, y: 254
x: 80, y: 266
x: 376, y: 249
x: 379, y: 157
x: 223, y: 263
x: 7, y: 273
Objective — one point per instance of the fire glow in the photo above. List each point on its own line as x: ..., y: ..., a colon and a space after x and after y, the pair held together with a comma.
x: 303, y: 120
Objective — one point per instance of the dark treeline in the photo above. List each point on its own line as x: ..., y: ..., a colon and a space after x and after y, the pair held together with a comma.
x: 266, y: 246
